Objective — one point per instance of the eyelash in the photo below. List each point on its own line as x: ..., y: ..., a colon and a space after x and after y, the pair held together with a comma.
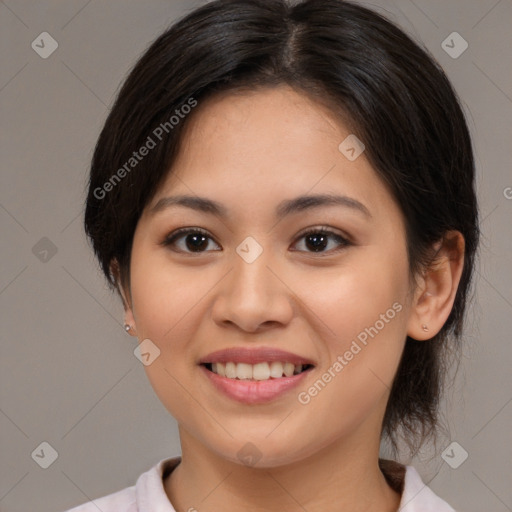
x: 324, y: 231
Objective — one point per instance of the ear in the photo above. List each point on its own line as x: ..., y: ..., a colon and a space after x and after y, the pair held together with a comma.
x: 437, y: 287
x: 125, y: 297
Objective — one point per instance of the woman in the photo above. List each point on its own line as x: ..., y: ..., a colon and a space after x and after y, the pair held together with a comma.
x: 283, y: 196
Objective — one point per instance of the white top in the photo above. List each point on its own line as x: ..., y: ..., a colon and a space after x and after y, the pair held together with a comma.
x: 148, y: 494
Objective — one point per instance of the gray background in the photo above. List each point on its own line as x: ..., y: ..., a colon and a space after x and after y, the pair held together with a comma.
x: 68, y: 374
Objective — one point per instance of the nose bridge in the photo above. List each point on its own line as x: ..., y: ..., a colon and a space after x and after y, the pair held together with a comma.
x: 252, y: 295
x: 251, y: 275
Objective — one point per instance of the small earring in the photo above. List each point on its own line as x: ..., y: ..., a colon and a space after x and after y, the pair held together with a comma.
x: 424, y: 327
x: 127, y: 327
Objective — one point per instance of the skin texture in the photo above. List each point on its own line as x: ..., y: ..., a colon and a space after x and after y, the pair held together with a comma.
x: 249, y: 152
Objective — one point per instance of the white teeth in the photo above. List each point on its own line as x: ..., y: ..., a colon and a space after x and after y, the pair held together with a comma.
x: 276, y: 369
x: 244, y: 371
x: 288, y: 369
x: 259, y: 371
x: 221, y: 369
x: 231, y: 370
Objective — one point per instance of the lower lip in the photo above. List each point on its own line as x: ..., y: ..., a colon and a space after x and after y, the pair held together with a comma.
x: 254, y: 391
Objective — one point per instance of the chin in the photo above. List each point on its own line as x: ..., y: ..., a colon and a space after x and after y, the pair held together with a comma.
x: 262, y: 453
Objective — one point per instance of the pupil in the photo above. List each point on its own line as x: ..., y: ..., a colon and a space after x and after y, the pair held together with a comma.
x: 316, y: 241
x: 319, y: 241
x: 198, y: 243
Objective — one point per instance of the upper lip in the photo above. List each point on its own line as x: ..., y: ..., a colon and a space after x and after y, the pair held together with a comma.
x: 254, y: 356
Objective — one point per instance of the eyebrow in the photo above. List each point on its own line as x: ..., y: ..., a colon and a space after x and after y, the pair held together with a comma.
x: 283, y: 209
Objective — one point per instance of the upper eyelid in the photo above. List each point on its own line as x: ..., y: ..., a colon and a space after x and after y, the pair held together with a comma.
x: 323, y: 229
x: 305, y: 231
x: 177, y: 233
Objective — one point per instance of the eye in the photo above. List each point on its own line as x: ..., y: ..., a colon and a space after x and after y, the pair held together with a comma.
x: 196, y: 240
x: 317, y: 239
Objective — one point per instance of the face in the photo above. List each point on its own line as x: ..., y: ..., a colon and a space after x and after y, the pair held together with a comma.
x: 325, y: 282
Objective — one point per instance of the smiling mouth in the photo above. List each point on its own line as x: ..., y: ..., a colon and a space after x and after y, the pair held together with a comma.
x: 257, y: 372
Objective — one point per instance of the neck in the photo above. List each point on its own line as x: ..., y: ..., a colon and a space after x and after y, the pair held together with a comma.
x: 345, y: 475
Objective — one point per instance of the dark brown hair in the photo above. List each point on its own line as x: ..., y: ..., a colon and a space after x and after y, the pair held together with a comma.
x: 388, y: 89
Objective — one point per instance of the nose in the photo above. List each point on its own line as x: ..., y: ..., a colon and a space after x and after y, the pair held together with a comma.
x: 253, y: 296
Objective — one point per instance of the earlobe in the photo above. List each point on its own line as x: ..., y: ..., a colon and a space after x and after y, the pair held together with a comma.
x: 130, y: 329
x: 129, y: 320
x: 437, y: 288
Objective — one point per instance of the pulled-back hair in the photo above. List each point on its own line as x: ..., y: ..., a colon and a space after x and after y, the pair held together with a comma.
x: 387, y: 89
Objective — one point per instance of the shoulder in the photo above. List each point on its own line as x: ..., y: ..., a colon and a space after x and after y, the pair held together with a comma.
x: 120, y: 501
x: 418, y: 497
x: 147, y: 494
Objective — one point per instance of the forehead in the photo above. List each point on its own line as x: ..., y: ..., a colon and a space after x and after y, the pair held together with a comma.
x: 264, y: 123
x: 266, y: 145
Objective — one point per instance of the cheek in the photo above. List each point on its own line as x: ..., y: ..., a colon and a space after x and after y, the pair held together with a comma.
x: 364, y: 317
x: 165, y: 296
x: 167, y: 302
x: 355, y: 295
x: 354, y: 382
